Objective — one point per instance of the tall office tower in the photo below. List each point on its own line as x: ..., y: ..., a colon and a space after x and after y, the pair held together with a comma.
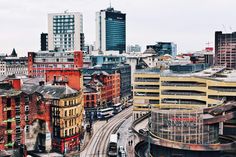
x: 225, y: 49
x: 110, y: 30
x: 65, y: 31
x: 44, y: 41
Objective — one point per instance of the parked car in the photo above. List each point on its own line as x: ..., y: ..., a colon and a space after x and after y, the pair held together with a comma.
x: 122, y: 152
x: 143, y: 131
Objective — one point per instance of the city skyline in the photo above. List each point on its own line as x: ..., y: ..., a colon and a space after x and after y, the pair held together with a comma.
x: 188, y: 24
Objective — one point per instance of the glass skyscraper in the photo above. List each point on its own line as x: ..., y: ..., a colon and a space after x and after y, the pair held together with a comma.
x: 110, y: 30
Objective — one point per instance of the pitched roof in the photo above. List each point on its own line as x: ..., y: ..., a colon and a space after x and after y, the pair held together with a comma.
x: 13, y: 54
x: 88, y: 89
x: 49, y: 91
x: 150, y: 51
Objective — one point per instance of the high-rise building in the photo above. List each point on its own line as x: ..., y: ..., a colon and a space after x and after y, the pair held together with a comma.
x: 225, y: 49
x: 44, y: 41
x: 65, y: 31
x: 133, y: 48
x: 110, y: 30
x: 163, y: 48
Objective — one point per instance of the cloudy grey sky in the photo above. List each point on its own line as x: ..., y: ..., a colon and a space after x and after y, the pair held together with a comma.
x: 189, y: 23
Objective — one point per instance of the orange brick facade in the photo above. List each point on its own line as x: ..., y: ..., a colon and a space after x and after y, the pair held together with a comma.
x: 110, y: 90
x: 72, y: 78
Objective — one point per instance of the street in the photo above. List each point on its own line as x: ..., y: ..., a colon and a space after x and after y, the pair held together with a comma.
x: 97, y: 146
x: 125, y: 136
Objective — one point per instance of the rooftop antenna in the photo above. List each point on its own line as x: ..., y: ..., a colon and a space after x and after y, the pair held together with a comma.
x: 110, y: 3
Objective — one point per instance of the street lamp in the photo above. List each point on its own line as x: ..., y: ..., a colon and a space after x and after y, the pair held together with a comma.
x: 149, y: 122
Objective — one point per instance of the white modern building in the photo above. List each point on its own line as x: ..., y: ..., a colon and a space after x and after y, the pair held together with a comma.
x: 65, y: 31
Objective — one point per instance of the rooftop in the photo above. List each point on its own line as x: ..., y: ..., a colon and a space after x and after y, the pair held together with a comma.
x: 10, y: 92
x: 148, y: 70
x: 49, y: 91
x: 217, y: 73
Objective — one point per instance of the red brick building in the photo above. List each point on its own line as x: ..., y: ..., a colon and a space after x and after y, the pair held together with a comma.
x: 40, y: 62
x: 56, y: 114
x: 13, y: 117
x: 109, y: 84
x: 72, y: 78
x: 92, y: 97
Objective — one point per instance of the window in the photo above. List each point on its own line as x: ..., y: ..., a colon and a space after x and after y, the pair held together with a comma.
x: 26, y: 118
x: 17, y: 129
x: 65, y: 132
x: 26, y: 108
x: 65, y: 123
x: 27, y: 128
x: 65, y: 113
x: 87, y: 97
x: 17, y: 119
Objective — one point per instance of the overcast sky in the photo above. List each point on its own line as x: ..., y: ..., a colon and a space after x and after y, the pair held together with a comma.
x: 188, y: 23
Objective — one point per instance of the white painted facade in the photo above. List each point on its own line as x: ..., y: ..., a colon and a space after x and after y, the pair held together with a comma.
x: 100, y: 43
x: 70, y: 39
x: 10, y: 69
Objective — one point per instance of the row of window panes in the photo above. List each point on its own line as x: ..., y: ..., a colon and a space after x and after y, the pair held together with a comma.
x: 70, y: 132
x: 70, y: 102
x: 70, y: 123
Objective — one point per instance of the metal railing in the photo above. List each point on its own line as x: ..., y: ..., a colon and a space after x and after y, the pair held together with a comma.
x: 184, y: 93
x: 182, y: 102
x: 146, y: 80
x: 146, y: 94
x: 146, y: 87
x: 223, y: 89
x: 183, y: 84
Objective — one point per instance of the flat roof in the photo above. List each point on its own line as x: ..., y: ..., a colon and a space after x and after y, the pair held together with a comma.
x: 219, y: 73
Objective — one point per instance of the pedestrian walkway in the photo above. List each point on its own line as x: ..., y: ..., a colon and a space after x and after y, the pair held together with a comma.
x: 131, y: 145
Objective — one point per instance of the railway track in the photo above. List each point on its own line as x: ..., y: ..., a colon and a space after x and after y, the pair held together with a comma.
x: 97, y: 147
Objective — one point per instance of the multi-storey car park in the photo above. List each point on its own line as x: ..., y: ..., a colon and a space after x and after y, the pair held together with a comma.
x: 194, y: 112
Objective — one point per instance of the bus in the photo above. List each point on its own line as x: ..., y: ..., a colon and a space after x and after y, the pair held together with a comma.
x: 117, y: 108
x: 112, y: 147
x: 105, y: 113
x: 129, y: 103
